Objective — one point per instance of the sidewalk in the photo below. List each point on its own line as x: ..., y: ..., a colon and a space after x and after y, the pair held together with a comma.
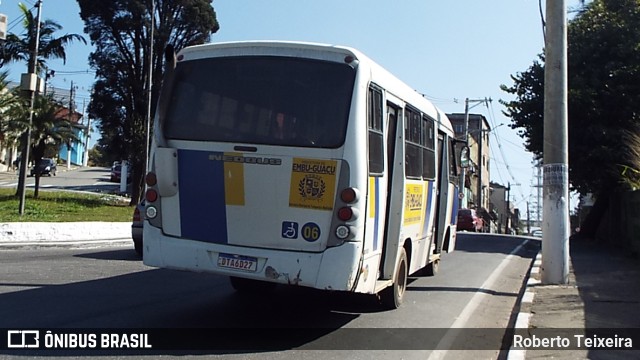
x: 603, y: 293
x: 17, y: 235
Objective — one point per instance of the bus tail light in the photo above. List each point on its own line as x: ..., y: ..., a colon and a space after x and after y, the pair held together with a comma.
x: 349, y: 195
x: 151, y: 212
x: 151, y: 195
x: 343, y: 232
x: 151, y: 179
x: 345, y: 213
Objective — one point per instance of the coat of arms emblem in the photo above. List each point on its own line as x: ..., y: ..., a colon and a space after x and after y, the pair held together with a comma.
x: 311, y: 187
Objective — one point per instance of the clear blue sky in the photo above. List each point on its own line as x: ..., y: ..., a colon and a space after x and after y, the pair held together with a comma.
x: 447, y: 50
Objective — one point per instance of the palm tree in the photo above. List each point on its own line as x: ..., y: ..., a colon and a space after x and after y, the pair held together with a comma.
x: 20, y: 48
x: 8, y: 99
x: 16, y: 48
x: 50, y: 128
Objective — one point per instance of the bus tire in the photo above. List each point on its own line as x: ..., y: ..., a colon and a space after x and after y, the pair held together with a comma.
x: 432, y: 268
x: 391, y: 297
x: 243, y: 285
x: 137, y: 247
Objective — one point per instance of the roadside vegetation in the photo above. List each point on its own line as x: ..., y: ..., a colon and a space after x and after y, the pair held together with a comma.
x: 62, y: 206
x: 603, y: 102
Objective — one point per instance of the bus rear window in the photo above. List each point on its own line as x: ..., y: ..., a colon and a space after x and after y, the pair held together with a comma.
x: 261, y: 100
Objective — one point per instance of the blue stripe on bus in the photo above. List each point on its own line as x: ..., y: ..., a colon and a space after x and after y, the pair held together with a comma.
x: 203, y: 213
x: 377, y: 212
x: 454, y: 206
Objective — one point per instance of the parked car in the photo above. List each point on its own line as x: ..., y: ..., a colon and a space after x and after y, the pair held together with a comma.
x: 16, y: 163
x: 136, y: 227
x: 45, y: 166
x: 468, y: 220
x: 116, y: 172
x: 536, y: 233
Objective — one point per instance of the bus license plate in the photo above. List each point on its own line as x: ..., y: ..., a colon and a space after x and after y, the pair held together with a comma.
x: 238, y: 262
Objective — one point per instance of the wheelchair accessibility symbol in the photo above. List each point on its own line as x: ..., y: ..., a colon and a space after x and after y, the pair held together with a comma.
x: 289, y: 230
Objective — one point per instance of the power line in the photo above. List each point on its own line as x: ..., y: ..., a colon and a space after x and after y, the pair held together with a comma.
x: 438, y: 100
x: 12, y: 24
x: 504, y: 158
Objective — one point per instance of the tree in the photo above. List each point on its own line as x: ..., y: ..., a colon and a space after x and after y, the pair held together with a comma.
x: 20, y: 48
x: 120, y: 31
x: 8, y: 99
x: 50, y: 128
x: 16, y: 48
x: 604, y: 101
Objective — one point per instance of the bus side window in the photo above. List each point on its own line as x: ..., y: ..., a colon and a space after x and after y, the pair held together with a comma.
x: 428, y: 152
x: 413, y: 143
x: 376, y: 139
x: 453, y: 164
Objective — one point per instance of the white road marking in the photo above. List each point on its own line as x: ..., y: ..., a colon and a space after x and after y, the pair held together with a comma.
x: 465, y: 315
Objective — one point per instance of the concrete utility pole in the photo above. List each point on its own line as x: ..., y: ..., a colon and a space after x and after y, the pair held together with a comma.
x: 30, y: 83
x: 149, y: 85
x: 555, y: 242
x: 463, y: 199
x: 507, y: 223
x: 70, y: 118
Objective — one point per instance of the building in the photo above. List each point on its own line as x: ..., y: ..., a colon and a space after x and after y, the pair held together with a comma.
x: 74, y: 152
x: 507, y: 215
x: 477, y: 179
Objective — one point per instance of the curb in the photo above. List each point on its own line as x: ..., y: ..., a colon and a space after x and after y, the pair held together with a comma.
x: 524, y: 316
x: 86, y: 244
x: 71, y: 234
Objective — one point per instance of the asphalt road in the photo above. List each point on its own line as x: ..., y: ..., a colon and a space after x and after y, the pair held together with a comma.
x: 92, y: 179
x: 474, y: 297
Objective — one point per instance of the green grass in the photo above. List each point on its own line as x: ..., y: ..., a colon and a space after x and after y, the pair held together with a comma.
x: 62, y: 206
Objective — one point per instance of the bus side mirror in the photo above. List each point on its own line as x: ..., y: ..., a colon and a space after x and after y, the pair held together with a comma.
x: 464, y: 157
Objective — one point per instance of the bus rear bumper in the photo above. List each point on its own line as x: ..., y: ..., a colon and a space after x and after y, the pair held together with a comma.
x: 333, y: 269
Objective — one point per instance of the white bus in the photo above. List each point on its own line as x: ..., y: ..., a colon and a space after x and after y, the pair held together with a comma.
x: 300, y: 164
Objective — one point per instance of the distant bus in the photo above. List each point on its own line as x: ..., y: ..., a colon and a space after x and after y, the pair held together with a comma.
x: 299, y: 164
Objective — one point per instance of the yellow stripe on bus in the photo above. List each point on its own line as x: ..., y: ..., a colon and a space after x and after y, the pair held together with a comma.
x: 372, y: 197
x: 234, y: 182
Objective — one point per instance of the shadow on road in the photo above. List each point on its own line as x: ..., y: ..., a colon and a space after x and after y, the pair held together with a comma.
x: 497, y: 243
x: 120, y: 254
x: 163, y: 299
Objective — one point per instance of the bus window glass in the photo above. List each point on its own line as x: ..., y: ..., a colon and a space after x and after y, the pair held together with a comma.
x: 413, y: 144
x: 413, y: 157
x: 428, y: 153
x: 453, y: 164
x: 261, y: 100
x: 376, y: 149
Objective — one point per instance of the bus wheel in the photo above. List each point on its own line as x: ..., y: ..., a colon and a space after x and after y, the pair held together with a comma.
x: 392, y: 296
x: 137, y: 246
x: 243, y: 285
x: 432, y: 268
